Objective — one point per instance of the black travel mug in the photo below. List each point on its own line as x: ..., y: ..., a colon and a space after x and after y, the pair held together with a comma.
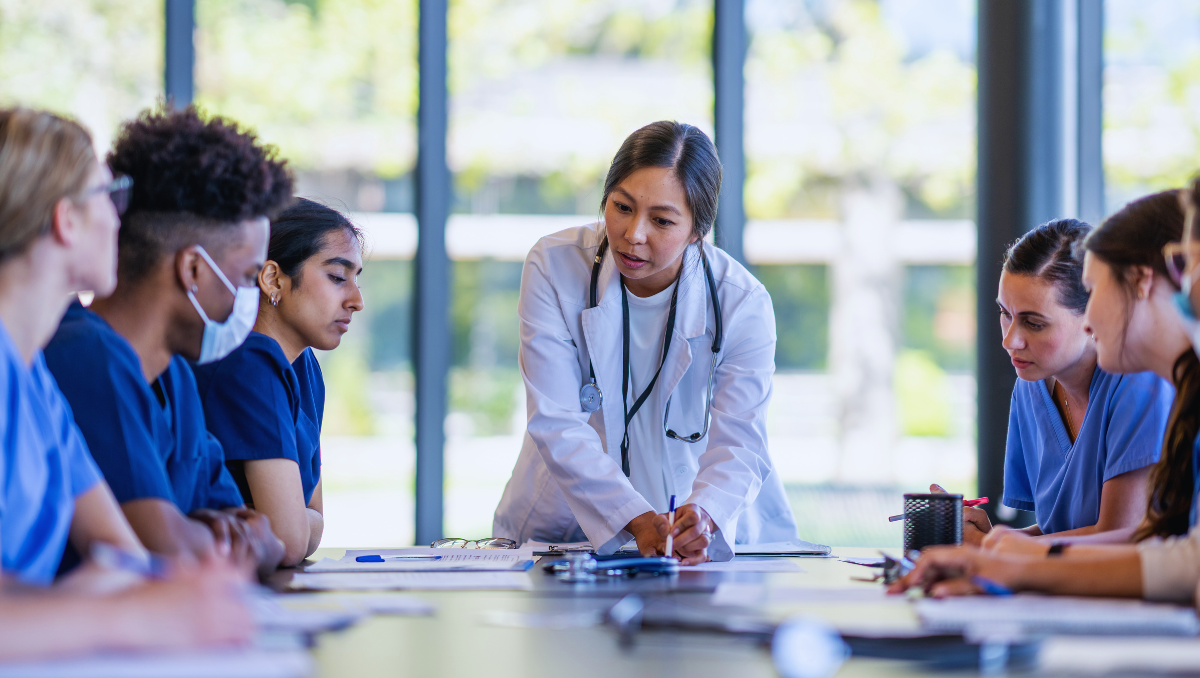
x: 931, y: 519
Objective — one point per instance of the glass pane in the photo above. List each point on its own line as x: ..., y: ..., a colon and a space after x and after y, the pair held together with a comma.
x: 97, y: 60
x: 333, y: 84
x: 542, y: 94
x: 860, y: 143
x: 1151, y: 96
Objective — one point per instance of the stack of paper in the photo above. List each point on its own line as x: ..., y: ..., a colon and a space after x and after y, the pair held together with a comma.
x: 428, y: 560
x: 797, y: 547
x: 1057, y: 615
x: 415, y: 581
x: 250, y: 663
x: 751, y: 594
x: 1107, y: 656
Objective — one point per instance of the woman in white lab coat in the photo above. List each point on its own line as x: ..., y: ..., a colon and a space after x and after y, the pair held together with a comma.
x: 603, y: 454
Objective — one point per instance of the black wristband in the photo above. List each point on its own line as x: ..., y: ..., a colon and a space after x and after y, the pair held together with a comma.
x: 1056, y: 549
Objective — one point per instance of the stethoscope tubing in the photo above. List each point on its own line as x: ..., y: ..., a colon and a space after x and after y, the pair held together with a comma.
x: 590, y: 396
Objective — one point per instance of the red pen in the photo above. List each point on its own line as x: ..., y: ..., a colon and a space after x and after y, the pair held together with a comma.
x: 969, y: 502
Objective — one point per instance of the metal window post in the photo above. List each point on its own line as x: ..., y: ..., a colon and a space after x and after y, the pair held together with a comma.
x: 1038, y: 160
x: 431, y: 289
x: 1091, y: 110
x: 180, y: 52
x: 729, y: 101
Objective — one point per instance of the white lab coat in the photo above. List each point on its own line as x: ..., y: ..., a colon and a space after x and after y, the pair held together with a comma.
x: 567, y: 483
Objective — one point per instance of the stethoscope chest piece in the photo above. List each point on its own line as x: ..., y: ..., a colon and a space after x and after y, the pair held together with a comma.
x: 590, y: 398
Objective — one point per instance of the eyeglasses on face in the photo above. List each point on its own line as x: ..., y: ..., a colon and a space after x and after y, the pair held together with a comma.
x: 119, y: 190
x: 489, y: 543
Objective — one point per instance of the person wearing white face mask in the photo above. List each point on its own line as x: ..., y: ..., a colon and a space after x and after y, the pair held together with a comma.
x: 189, y: 250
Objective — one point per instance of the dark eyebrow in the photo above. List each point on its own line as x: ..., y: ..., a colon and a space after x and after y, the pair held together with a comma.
x: 669, y: 208
x: 1023, y: 314
x: 341, y: 261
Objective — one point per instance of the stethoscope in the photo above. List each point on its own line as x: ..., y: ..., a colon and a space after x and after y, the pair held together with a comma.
x: 590, y: 397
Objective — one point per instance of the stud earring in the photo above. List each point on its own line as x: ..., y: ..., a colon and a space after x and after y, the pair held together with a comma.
x: 195, y: 289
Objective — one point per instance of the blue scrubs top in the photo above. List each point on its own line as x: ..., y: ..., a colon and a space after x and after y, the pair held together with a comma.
x: 149, y: 439
x: 45, y: 467
x: 262, y: 407
x: 1061, y: 482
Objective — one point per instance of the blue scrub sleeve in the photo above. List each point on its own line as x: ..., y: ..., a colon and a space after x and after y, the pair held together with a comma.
x: 114, y: 415
x: 248, y: 407
x: 1138, y: 413
x: 1018, y: 493
x: 223, y: 489
x: 82, y: 468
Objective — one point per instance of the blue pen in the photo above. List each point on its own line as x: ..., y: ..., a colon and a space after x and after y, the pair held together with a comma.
x: 990, y: 587
x: 383, y: 559
x: 671, y: 526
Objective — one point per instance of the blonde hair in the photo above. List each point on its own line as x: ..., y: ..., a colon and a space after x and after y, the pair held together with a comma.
x: 43, y: 159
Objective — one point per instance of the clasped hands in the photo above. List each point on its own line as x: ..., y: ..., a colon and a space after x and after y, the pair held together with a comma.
x: 693, y: 531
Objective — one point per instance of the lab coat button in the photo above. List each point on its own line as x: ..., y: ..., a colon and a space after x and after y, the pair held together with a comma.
x: 681, y: 470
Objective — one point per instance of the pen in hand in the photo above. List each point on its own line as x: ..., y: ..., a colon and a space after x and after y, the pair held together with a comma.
x: 670, y: 528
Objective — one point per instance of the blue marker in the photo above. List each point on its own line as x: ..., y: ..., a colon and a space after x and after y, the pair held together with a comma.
x: 383, y: 559
x: 990, y: 587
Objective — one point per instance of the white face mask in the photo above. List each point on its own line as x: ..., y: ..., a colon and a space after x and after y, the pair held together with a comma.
x: 220, y: 339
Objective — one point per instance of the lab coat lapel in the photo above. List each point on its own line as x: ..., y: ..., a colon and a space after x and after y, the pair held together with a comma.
x: 602, y: 329
x: 690, y: 321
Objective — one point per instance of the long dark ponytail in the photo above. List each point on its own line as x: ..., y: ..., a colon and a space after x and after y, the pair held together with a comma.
x: 1134, y: 237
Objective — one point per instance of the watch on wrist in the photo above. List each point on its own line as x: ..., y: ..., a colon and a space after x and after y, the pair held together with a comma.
x: 1056, y: 549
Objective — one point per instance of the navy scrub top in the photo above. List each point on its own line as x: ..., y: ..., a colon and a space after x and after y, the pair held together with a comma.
x: 1061, y: 481
x: 150, y: 440
x: 261, y: 407
x: 45, y: 466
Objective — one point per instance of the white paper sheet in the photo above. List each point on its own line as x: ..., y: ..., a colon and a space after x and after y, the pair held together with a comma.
x: 301, y: 614
x: 1092, y: 656
x: 251, y: 663
x: 748, y: 565
x: 451, y: 560
x: 558, y: 545
x: 415, y: 581
x: 797, y: 547
x: 385, y: 604
x: 747, y: 594
x: 1057, y: 614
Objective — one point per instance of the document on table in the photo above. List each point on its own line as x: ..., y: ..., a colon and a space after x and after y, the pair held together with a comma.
x: 739, y: 564
x: 1057, y: 614
x: 316, y: 612
x: 413, y: 581
x: 796, y: 547
x: 422, y: 560
x: 1107, y: 656
x: 248, y: 663
x: 749, y: 594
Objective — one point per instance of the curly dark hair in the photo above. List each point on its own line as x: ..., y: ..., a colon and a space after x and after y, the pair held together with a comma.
x: 193, y: 175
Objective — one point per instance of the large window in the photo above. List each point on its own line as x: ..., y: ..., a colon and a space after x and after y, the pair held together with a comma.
x: 333, y: 84
x: 542, y: 94
x: 97, y: 60
x: 1151, y: 96
x: 860, y: 146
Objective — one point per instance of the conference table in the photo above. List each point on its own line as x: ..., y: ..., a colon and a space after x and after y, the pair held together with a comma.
x: 502, y: 634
